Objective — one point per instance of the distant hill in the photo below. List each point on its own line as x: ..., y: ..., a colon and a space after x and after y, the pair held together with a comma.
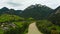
x: 5, y: 10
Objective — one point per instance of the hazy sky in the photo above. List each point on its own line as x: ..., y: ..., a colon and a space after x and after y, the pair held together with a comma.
x: 22, y: 4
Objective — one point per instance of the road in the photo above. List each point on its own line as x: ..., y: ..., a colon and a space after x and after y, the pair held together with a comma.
x: 33, y: 29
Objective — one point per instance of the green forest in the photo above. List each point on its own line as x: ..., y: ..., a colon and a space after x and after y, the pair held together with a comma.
x: 17, y: 21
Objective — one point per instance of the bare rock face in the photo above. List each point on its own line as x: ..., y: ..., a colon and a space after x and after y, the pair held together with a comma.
x: 57, y: 10
x: 6, y: 26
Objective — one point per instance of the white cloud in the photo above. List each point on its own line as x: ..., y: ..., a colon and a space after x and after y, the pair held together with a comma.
x: 22, y: 4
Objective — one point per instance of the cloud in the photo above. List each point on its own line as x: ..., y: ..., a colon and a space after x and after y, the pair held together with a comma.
x: 22, y: 4
x: 13, y: 4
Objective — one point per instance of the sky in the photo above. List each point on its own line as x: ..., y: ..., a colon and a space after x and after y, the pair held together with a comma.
x: 22, y: 4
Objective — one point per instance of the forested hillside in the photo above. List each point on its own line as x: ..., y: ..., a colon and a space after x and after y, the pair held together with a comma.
x: 55, y: 16
x: 37, y: 12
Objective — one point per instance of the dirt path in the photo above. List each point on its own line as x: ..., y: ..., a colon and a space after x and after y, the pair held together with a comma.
x: 33, y: 29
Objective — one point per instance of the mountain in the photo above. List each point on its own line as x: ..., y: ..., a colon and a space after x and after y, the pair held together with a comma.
x: 37, y: 12
x: 55, y: 16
